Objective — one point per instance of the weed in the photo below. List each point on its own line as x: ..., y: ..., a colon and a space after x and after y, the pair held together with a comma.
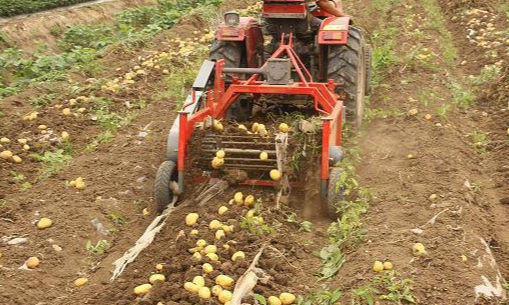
x: 332, y: 260
x: 371, y: 114
x: 443, y: 110
x: 117, y: 218
x: 323, y: 297
x: 305, y: 226
x: 42, y: 100
x: 3, y: 203
x: 437, y: 22
x: 479, y: 140
x: 53, y: 162
x: 462, y: 97
x: 19, y: 179
x: 488, y: 74
x: 364, y: 293
x: 396, y: 288
x: 256, y: 225
x: 99, y: 248
x: 260, y: 299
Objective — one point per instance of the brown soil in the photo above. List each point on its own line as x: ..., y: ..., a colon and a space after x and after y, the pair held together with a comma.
x: 471, y: 208
x: 27, y: 32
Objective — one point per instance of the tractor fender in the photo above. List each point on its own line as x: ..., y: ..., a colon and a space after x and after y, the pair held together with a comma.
x: 249, y: 34
x: 172, y: 144
x: 334, y: 30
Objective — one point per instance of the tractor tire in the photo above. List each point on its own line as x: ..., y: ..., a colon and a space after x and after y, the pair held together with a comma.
x: 163, y: 195
x: 347, y: 64
x: 231, y: 52
x: 335, y: 192
x: 368, y: 52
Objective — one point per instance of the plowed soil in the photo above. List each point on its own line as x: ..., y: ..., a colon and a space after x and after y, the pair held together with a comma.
x: 433, y: 184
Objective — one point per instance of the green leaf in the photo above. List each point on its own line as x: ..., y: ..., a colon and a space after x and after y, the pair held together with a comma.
x: 260, y: 299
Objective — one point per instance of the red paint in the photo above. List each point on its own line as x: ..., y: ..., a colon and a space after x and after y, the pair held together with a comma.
x: 334, y: 30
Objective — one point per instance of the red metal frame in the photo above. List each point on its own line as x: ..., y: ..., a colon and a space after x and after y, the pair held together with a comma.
x: 326, y: 102
x: 334, y: 30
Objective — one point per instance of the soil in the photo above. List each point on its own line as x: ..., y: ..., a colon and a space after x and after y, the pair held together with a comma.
x: 27, y: 32
x: 464, y: 229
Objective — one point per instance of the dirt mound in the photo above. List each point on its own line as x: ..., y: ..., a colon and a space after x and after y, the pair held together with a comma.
x: 28, y: 32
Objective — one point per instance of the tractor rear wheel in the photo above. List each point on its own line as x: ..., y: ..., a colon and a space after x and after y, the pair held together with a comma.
x: 165, y: 176
x: 231, y: 52
x: 347, y: 64
x: 335, y: 192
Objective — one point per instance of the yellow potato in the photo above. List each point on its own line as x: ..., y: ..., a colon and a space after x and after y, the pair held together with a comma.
x: 213, y: 257
x: 204, y: 293
x: 210, y: 249
x: 192, y: 219
x: 154, y: 278
x: 249, y: 201
x: 16, y: 159
x: 6, y: 154
x: 142, y: 289
x: 66, y: 111
x: 224, y: 280
x: 225, y: 296
x: 201, y: 243
x: 215, y: 224
x: 287, y: 298
x: 222, y: 210
x: 388, y: 266
x: 378, y: 266
x: 283, y: 127
x: 159, y: 267
x: 199, y: 280
x: 32, y: 262
x: 272, y: 300
x: 5, y: 140
x: 418, y: 250
x: 217, y: 163
x: 22, y: 141
x: 194, y: 232
x: 82, y: 281
x: 220, y: 234
x: 264, y: 156
x: 65, y: 135
x: 44, y: 223
x: 191, y: 287
x: 207, y: 268
x: 220, y: 154
x: 238, y: 255
x: 197, y: 256
x: 275, y: 175
x: 238, y: 198
x: 255, y: 127
x: 216, y: 290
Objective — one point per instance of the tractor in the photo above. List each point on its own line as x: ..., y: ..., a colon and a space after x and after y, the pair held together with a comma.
x: 293, y: 56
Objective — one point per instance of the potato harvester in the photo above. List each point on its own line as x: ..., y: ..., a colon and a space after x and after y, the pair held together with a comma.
x: 312, y: 62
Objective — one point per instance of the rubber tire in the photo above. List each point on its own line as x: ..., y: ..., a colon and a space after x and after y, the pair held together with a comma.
x: 368, y: 53
x: 346, y: 64
x: 163, y: 195
x: 334, y: 194
x: 231, y: 52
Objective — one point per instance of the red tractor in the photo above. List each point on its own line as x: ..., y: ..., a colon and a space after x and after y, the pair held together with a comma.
x: 313, y: 62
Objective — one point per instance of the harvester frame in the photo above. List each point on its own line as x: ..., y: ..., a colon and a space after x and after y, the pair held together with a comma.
x: 217, y: 88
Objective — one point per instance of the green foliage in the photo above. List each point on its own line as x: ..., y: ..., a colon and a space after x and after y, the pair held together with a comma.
x: 332, y: 260
x: 305, y: 226
x: 256, y: 225
x: 53, y: 161
x: 260, y: 299
x: 462, y: 97
x: 42, y: 100
x: 84, y: 36
x: 364, y: 293
x: 17, y: 7
x: 19, y: 179
x: 117, y: 218
x: 396, y: 289
x: 323, y: 297
x: 99, y: 248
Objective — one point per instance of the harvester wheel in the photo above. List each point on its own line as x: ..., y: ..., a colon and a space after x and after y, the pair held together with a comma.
x: 231, y: 52
x: 347, y: 64
x: 335, y: 192
x: 166, y: 175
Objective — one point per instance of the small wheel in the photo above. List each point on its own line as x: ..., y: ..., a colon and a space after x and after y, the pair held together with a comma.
x: 335, y: 192
x: 166, y: 175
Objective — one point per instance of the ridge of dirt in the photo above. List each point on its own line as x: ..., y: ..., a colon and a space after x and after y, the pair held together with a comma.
x: 27, y: 32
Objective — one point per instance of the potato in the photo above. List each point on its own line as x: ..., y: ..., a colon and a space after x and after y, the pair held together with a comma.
x: 204, y: 293
x: 194, y: 232
x: 433, y: 197
x: 272, y: 300
x: 210, y: 249
x: 5, y: 140
x: 22, y: 141
x: 199, y: 280
x: 250, y: 213
x: 82, y: 281
x: 378, y: 266
x: 207, y: 268
x: 191, y: 287
x: 238, y: 198
x: 216, y: 290
x: 275, y: 175
x: 142, y: 289
x: 192, y: 219
x: 283, y: 127
x: 65, y: 135
x: 201, y: 243
x: 197, y: 256
x: 225, y: 296
x: 157, y: 277
x: 388, y: 266
x: 224, y: 280
x: 249, y: 201
x: 66, y: 111
x: 218, y: 126
x: 159, y: 267
x: 227, y: 229
x: 220, y: 154
x: 264, y: 156
x: 16, y: 159
x: 222, y: 210
x: 32, y: 262
x: 220, y: 234
x: 217, y: 163
x: 213, y: 257
x: 242, y: 127
x: 44, y: 223
x: 26, y: 147
x: 255, y: 127
x: 286, y: 298
x: 6, y: 154
x: 42, y: 127
x: 418, y: 250
x: 238, y: 255
x: 215, y: 224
